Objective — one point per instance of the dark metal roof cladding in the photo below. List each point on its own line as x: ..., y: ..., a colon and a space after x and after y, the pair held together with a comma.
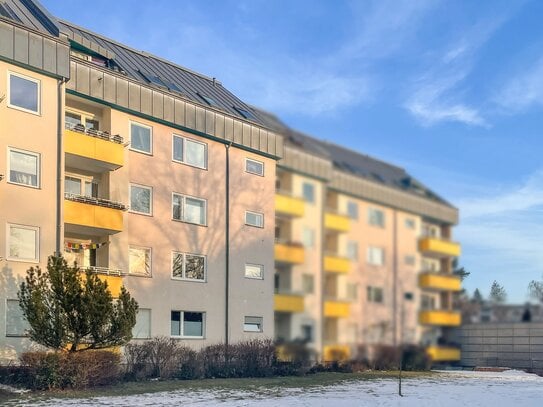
x: 31, y: 14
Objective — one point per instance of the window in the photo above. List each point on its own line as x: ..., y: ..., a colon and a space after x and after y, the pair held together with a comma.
x: 141, y: 199
x: 88, y: 121
x: 427, y: 302
x: 187, y: 324
x: 254, y: 219
x: 308, y: 283
x: 23, y: 243
x: 352, y: 209
x: 188, y: 266
x: 141, y: 138
x: 410, y: 223
x: 245, y: 113
x: 375, y: 294
x: 209, y: 100
x: 78, y: 185
x: 190, y: 152
x: 254, y: 271
x: 139, y: 259
x: 376, y: 217
x: 142, y: 329
x: 24, y: 93
x: 352, y: 291
x: 410, y: 260
x: 308, y: 237
x: 352, y: 250
x: 254, y: 167
x: 252, y: 324
x: 307, y: 333
x: 189, y: 209
x: 376, y: 256
x: 308, y: 192
x: 16, y: 324
x: 24, y: 168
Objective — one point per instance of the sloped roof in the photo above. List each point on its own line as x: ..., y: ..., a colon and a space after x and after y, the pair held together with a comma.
x: 31, y: 14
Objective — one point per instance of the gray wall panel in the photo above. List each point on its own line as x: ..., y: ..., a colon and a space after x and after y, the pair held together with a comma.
x: 238, y: 129
x: 219, y: 127
x: 180, y: 113
x: 134, y: 96
x: 229, y: 129
x: 122, y: 92
x: 158, y: 105
x: 63, y: 60
x: 6, y: 40
x: 35, y: 50
x: 200, y: 123
x: 83, y: 79
x: 50, y: 55
x: 110, y: 94
x: 210, y: 123
x: 169, y: 109
x: 21, y: 46
x: 146, y: 100
x: 245, y: 134
x: 190, y: 116
x: 97, y: 84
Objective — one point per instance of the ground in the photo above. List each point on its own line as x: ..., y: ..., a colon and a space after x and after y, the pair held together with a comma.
x: 509, y: 388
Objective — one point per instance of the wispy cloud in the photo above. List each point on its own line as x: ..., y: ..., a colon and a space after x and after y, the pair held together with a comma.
x: 524, y: 90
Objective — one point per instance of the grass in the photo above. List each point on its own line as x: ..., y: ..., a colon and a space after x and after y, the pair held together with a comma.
x: 256, y: 385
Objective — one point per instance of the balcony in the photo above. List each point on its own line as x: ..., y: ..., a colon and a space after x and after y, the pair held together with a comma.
x: 440, y: 318
x: 286, y: 204
x: 336, y: 222
x: 332, y: 353
x: 433, y: 247
x: 289, y: 302
x: 440, y: 282
x: 93, y: 216
x: 92, y: 149
x: 443, y: 353
x: 336, y: 264
x: 336, y: 309
x: 113, y: 277
x: 291, y: 253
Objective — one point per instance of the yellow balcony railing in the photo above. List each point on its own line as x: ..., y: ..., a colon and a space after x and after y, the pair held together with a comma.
x: 289, y: 253
x: 94, y: 216
x: 440, y: 318
x: 440, y: 282
x: 336, y: 353
x: 289, y: 303
x: 335, y: 264
x: 337, y: 222
x: 438, y: 247
x: 105, y: 152
x: 289, y: 205
x: 443, y: 353
x: 336, y: 309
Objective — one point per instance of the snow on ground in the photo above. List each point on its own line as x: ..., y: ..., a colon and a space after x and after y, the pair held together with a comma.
x: 455, y: 389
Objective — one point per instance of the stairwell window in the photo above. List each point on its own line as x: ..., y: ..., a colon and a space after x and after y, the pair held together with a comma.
x: 189, y: 209
x: 252, y: 324
x: 190, y: 152
x: 141, y: 138
x: 255, y: 271
x: 186, y: 324
x: 188, y: 266
x: 23, y: 243
x: 24, y: 168
x: 24, y: 93
x: 254, y: 167
x: 141, y: 199
x: 254, y: 219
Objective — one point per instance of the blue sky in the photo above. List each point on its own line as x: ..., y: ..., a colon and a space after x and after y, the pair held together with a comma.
x: 450, y: 90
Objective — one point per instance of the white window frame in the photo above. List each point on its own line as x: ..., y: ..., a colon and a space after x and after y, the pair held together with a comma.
x: 184, y: 158
x: 82, y: 178
x: 84, y: 116
x: 350, y: 245
x: 254, y: 213
x: 150, y: 249
x: 184, y: 270
x: 308, y: 237
x: 36, y: 247
x: 38, y: 175
x: 247, y: 159
x: 314, y: 199
x: 371, y: 294
x: 38, y: 90
x: 353, y: 204
x: 259, y: 266
x: 369, y: 257
x: 184, y: 197
x: 150, y: 199
x: 259, y: 325
x: 181, y: 326
x: 130, y: 123
x: 370, y: 219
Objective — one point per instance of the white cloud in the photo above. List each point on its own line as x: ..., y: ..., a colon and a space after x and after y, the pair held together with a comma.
x: 524, y: 90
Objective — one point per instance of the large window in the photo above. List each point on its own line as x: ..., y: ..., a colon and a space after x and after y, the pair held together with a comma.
x: 141, y: 199
x: 189, y: 152
x: 189, y: 209
x: 308, y: 192
x: 252, y: 324
x: 16, y: 323
x: 142, y: 329
x: 24, y: 93
x: 254, y: 271
x: 375, y: 294
x: 376, y: 217
x: 254, y: 167
x: 24, y: 168
x: 376, y: 256
x: 188, y: 266
x: 139, y: 261
x: 23, y: 243
x: 187, y: 324
x: 141, y: 138
x: 254, y: 219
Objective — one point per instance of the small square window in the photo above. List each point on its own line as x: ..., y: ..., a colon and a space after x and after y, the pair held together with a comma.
x: 142, y: 329
x: 141, y: 199
x: 376, y: 217
x: 254, y: 167
x: 141, y: 138
x: 188, y: 266
x: 375, y: 294
x: 352, y: 209
x: 410, y: 260
x: 252, y: 324
x: 24, y: 93
x: 23, y: 243
x: 139, y: 261
x: 410, y: 223
x: 254, y: 271
x: 254, y: 219
x: 24, y: 168
x: 308, y: 192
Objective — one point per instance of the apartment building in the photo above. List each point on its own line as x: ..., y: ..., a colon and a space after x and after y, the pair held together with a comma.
x: 364, y: 253
x: 155, y: 177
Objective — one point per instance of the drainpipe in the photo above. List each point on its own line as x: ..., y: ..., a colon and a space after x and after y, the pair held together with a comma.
x: 227, y: 246
x: 395, y: 279
x: 60, y: 130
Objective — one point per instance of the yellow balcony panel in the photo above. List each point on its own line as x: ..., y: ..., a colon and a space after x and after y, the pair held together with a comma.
x: 440, y: 318
x: 289, y: 205
x: 289, y: 303
x: 289, y: 253
x: 336, y: 309
x: 440, y: 282
x: 88, y: 215
x: 336, y: 353
x: 443, y: 353
x: 431, y: 246
x: 337, y: 222
x: 104, y: 153
x: 335, y: 264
